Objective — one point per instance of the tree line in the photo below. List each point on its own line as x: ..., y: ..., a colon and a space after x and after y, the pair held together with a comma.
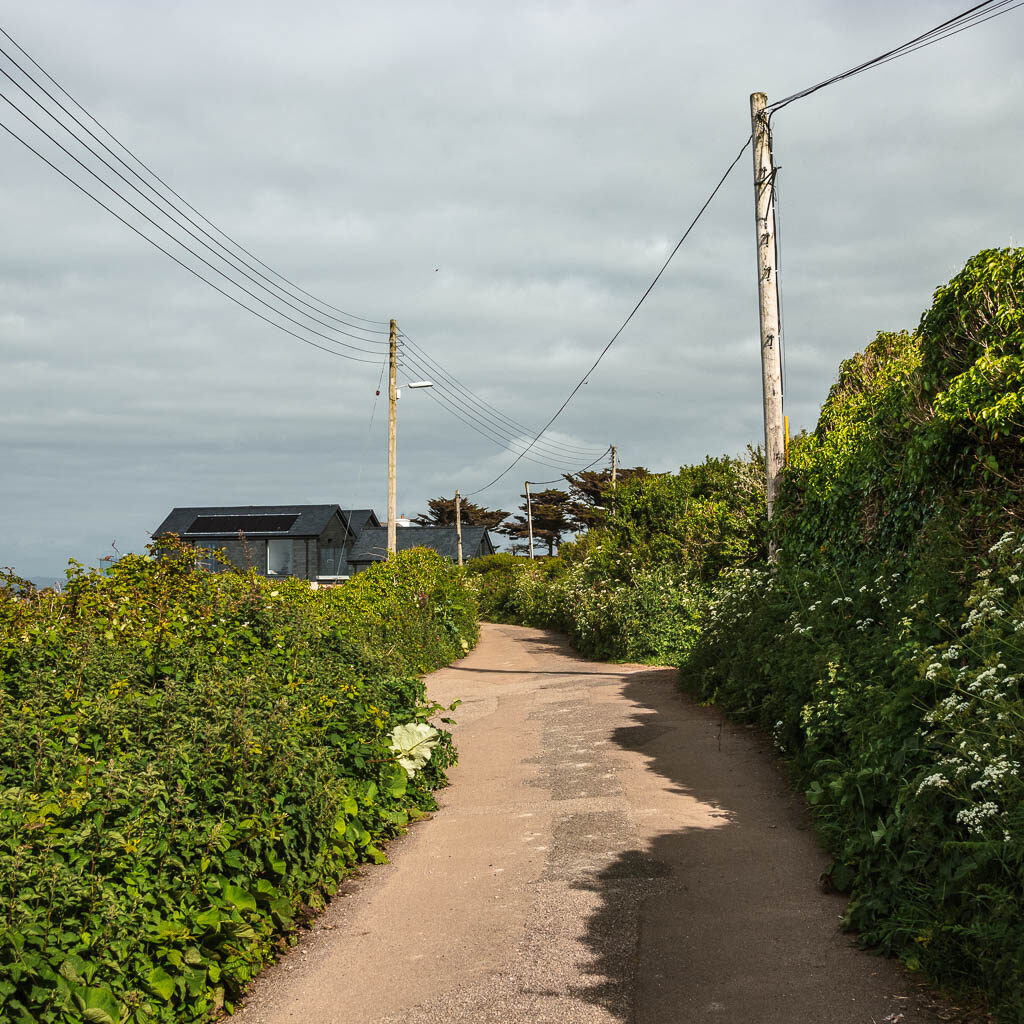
x: 556, y: 512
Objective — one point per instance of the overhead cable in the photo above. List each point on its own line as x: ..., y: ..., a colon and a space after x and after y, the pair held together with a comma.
x: 156, y: 177
x: 633, y: 312
x: 181, y: 263
x: 163, y: 230
x: 485, y: 429
x: 973, y: 16
x: 544, y: 447
x: 436, y: 369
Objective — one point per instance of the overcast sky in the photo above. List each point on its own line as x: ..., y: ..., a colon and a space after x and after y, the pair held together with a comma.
x: 504, y: 179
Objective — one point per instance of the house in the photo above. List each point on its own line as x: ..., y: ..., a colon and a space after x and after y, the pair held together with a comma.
x: 372, y: 543
x: 311, y: 542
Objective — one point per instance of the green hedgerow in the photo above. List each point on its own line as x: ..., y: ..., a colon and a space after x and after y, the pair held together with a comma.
x: 189, y: 761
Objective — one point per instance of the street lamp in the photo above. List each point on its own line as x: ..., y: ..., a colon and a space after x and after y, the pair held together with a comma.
x: 393, y: 396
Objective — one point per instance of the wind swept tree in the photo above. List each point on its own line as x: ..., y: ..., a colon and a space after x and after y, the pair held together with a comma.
x: 442, y: 513
x: 550, y: 519
x: 590, y: 494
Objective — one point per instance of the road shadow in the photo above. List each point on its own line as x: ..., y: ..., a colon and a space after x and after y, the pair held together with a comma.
x: 723, y: 915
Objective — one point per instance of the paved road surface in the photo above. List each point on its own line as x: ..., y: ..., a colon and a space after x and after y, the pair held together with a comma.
x: 607, y: 852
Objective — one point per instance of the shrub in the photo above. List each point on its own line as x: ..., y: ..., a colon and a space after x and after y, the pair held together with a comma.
x: 190, y: 761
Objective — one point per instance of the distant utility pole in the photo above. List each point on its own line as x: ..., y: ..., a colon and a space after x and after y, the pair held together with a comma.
x: 529, y: 516
x: 458, y: 523
x: 392, y: 435
x: 768, y: 288
x: 615, y: 467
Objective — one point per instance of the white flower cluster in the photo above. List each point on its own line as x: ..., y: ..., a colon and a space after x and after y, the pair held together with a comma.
x: 1004, y: 543
x: 936, y: 781
x: 975, y: 817
x: 995, y: 772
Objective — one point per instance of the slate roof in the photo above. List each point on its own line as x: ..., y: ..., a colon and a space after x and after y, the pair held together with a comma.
x: 262, y: 520
x: 372, y: 543
x: 359, y: 518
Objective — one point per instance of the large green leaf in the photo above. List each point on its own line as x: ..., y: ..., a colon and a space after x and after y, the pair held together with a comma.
x: 239, y: 897
x: 160, y: 982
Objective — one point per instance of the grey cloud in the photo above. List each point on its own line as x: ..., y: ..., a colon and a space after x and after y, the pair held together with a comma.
x: 544, y: 158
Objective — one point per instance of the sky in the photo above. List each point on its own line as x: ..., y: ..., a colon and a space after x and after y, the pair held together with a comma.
x: 505, y: 180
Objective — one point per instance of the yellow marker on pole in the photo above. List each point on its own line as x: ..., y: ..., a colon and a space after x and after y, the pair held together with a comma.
x: 785, y: 420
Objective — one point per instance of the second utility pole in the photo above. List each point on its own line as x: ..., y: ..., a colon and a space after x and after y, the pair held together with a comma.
x: 768, y: 294
x: 529, y: 515
x: 392, y: 434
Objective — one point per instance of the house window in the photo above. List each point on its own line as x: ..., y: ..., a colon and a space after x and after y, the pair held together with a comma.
x: 279, y: 558
x: 332, y: 558
x: 205, y: 558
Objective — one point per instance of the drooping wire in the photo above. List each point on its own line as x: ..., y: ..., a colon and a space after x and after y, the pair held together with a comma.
x: 237, y: 265
x: 614, y: 338
x: 970, y: 18
x: 171, y: 256
x: 494, y: 427
x: 561, y: 479
x: 162, y: 182
x: 483, y: 430
x: 435, y: 368
x: 163, y: 230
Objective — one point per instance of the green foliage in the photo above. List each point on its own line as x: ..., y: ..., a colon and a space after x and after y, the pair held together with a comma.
x: 885, y: 653
x: 190, y: 761
x: 634, y: 589
x: 551, y: 512
x: 441, y: 512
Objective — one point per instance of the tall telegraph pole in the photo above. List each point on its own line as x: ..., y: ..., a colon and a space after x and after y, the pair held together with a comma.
x: 768, y: 287
x: 458, y: 523
x: 615, y: 466
x: 392, y: 435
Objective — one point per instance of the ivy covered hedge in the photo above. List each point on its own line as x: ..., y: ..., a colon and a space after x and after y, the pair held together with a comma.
x: 886, y: 653
x: 189, y: 762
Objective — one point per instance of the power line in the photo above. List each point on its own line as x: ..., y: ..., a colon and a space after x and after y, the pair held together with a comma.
x: 436, y: 368
x: 236, y: 264
x: 561, y: 479
x: 615, y: 336
x: 485, y: 429
x: 169, y: 255
x: 161, y: 181
x: 546, y: 448
x: 178, y: 241
x: 970, y: 18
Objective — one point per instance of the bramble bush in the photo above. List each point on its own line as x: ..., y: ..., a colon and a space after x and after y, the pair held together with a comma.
x: 190, y: 762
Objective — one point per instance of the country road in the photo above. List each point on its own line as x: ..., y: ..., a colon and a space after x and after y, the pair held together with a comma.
x: 607, y: 852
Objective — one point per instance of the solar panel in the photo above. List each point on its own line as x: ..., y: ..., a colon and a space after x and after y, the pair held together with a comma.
x: 220, y: 525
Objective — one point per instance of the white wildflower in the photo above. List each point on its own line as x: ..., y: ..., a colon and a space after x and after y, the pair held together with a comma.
x: 1004, y: 542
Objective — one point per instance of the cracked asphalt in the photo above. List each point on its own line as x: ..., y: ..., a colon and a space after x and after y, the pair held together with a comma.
x: 608, y: 852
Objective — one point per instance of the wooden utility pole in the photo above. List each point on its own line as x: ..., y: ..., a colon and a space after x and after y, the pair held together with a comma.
x: 768, y: 289
x: 392, y: 435
x: 615, y: 467
x: 458, y: 523
x: 529, y: 516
